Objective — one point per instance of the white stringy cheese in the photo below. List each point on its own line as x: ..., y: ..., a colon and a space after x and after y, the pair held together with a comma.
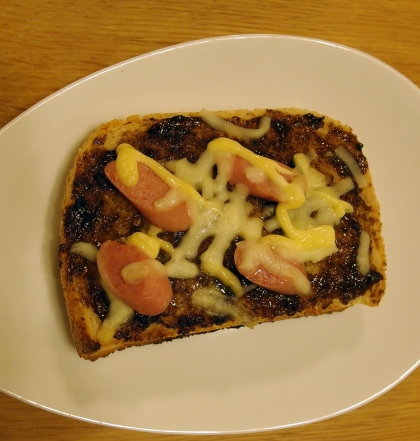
x: 218, y: 123
x: 352, y: 165
x: 134, y: 272
x: 85, y: 249
x: 172, y: 198
x: 214, y: 302
x: 362, y: 260
x: 119, y: 313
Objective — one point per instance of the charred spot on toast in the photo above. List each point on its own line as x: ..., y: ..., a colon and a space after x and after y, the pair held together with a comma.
x: 315, y: 121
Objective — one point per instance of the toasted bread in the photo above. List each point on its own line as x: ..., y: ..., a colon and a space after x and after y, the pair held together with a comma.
x: 95, y: 211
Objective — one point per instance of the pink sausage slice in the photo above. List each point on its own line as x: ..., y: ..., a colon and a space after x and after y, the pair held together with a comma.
x: 150, y: 296
x: 265, y: 189
x: 260, y: 276
x: 149, y: 189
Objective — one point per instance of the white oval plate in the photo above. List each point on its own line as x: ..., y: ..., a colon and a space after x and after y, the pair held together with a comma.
x: 275, y: 376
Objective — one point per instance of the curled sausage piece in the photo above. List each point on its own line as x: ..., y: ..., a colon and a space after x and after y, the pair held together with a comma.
x: 261, y: 265
x: 133, y: 277
x: 257, y: 183
x: 149, y: 189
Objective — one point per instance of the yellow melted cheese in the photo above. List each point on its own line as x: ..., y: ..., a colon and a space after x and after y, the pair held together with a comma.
x: 119, y: 313
x: 308, y: 237
x: 148, y: 244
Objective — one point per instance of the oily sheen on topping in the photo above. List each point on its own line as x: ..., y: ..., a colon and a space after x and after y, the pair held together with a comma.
x: 184, y: 224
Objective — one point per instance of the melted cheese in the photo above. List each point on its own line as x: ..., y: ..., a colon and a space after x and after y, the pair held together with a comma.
x: 163, y: 244
x: 87, y: 250
x: 306, y: 218
x: 308, y: 230
x: 264, y: 254
x: 254, y: 174
x: 310, y: 245
x: 135, y: 272
x: 352, y: 165
x: 214, y: 302
x: 225, y: 214
x: 362, y: 259
x: 119, y: 313
x: 172, y: 198
x: 322, y: 205
x: 273, y: 170
x: 224, y: 222
x: 218, y: 123
x: 148, y: 244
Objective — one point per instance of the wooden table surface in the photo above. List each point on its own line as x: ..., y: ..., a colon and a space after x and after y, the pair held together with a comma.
x: 45, y: 45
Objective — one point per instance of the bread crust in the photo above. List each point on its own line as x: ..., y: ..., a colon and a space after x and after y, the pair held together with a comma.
x: 293, y: 130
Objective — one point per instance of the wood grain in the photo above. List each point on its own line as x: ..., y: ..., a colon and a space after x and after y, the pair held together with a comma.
x: 45, y: 45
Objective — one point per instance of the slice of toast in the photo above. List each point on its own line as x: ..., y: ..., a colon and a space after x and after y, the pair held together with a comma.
x: 94, y: 211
